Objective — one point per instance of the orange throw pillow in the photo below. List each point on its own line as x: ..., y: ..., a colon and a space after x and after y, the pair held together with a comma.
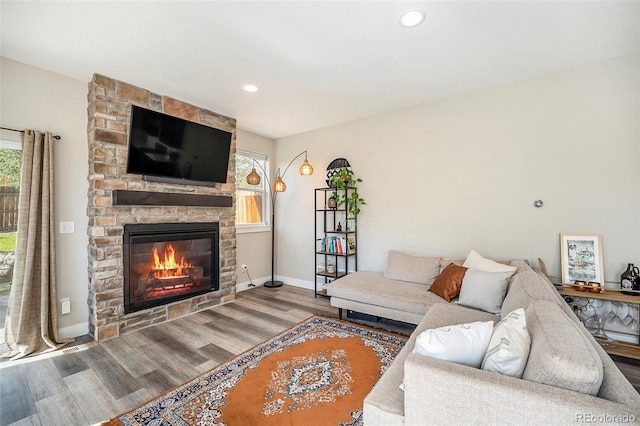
x: 447, y: 285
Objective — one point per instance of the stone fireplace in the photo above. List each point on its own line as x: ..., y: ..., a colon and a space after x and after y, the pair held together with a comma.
x: 121, y: 203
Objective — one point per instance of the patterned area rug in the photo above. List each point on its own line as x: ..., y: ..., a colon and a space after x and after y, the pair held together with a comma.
x: 316, y: 373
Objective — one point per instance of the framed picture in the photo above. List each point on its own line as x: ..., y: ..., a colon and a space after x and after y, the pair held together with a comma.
x: 581, y: 256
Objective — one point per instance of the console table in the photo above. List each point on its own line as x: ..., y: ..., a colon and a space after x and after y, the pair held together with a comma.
x: 624, y: 349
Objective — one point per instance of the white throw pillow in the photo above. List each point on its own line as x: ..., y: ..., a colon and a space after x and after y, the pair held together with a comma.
x: 479, y: 263
x: 484, y: 290
x: 509, y: 346
x: 463, y: 344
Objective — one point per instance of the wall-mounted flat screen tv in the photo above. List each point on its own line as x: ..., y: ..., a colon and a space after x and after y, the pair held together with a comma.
x: 169, y: 149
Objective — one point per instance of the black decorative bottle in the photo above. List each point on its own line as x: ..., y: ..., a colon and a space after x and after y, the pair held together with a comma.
x: 630, y: 280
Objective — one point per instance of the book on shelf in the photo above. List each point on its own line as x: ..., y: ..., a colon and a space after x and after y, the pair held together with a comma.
x: 352, y: 245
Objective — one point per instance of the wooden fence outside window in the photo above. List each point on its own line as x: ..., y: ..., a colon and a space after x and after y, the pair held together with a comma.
x: 9, y: 208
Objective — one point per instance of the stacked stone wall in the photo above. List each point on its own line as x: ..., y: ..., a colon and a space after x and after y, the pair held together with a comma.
x: 109, y: 110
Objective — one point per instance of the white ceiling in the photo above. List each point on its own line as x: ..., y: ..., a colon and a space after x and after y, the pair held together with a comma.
x: 316, y: 63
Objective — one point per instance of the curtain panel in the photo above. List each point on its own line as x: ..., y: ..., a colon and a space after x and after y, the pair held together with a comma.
x: 32, y: 316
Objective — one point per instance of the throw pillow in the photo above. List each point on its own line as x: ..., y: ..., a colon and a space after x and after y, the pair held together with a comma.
x: 484, y: 290
x: 509, y: 346
x: 447, y: 285
x: 463, y: 344
x: 415, y: 268
x: 476, y: 261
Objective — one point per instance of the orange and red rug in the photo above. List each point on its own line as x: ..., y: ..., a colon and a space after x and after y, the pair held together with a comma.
x: 316, y: 373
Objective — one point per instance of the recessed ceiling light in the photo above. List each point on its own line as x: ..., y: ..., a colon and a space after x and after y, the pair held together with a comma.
x: 412, y: 18
x: 251, y: 88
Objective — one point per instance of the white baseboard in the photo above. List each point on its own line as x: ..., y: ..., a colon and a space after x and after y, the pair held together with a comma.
x: 245, y: 285
x: 296, y: 282
x: 74, y: 330
x: 260, y: 282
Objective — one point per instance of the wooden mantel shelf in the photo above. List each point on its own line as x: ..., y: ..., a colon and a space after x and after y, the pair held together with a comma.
x: 145, y: 198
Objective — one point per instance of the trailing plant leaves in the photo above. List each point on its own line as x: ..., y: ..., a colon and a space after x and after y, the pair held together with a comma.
x: 344, y: 179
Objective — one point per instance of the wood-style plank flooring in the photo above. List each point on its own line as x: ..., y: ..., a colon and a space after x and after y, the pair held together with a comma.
x: 90, y: 382
x: 84, y: 386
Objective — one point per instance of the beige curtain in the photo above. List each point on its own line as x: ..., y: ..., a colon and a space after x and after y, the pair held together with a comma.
x: 32, y: 315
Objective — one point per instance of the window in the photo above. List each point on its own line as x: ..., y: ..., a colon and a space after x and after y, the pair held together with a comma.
x: 10, y: 164
x: 252, y: 201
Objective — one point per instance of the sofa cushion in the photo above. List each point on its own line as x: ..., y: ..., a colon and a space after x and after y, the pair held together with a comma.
x: 462, y: 343
x: 561, y: 354
x: 447, y: 285
x: 372, y: 288
x: 509, y: 346
x: 484, y: 290
x: 411, y: 267
x: 446, y: 261
x: 441, y: 314
x: 520, y: 265
x: 476, y: 261
x: 526, y: 287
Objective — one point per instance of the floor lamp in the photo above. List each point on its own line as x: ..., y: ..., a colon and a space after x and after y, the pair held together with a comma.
x: 253, y: 178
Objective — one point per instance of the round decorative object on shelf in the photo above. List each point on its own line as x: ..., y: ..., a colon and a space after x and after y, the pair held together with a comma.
x: 334, y: 167
x: 332, y: 203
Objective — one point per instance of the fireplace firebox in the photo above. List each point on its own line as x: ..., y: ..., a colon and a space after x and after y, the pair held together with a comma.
x: 167, y: 262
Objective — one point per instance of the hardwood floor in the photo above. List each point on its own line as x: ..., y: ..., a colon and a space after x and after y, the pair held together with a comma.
x: 90, y: 382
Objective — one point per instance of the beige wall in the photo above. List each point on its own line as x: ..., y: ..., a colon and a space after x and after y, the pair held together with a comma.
x: 41, y: 100
x: 462, y: 173
x: 254, y: 249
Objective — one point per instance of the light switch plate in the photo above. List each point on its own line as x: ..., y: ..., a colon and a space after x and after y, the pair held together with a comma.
x: 67, y: 227
x: 65, y: 306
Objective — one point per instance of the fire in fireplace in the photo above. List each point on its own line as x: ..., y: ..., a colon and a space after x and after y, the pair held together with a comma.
x: 168, y: 274
x: 168, y: 262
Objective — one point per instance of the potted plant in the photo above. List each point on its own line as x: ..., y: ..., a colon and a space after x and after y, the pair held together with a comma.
x: 342, y: 180
x: 330, y: 267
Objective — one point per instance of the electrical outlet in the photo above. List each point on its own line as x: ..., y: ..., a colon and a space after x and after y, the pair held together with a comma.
x: 244, y: 267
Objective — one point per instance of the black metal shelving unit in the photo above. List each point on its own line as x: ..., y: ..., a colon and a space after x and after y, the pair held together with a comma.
x: 325, y: 225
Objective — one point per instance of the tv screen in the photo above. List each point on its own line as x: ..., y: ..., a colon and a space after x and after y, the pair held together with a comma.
x: 170, y: 149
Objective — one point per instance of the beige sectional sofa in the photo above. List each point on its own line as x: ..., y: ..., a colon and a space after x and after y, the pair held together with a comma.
x: 568, y: 377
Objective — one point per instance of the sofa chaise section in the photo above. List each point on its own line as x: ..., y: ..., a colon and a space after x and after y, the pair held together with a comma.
x: 371, y: 293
